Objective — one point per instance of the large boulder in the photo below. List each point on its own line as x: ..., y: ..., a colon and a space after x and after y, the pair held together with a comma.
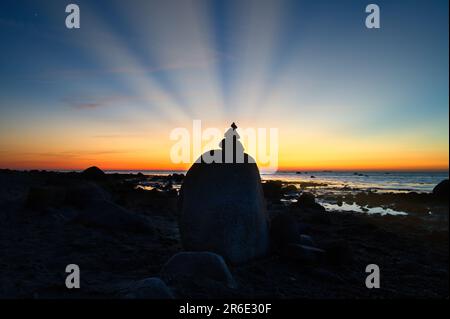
x: 109, y: 216
x: 441, y: 190
x: 222, y: 209
x: 93, y: 173
x: 197, y: 266
x: 308, y: 201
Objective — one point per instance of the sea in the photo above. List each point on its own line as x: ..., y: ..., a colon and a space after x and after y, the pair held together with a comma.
x: 389, y: 181
x: 331, y: 183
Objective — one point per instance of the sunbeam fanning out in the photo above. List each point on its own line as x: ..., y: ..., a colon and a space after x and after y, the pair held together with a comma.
x: 342, y: 96
x: 175, y: 39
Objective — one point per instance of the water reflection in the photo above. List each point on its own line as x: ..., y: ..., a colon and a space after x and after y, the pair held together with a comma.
x: 353, y: 207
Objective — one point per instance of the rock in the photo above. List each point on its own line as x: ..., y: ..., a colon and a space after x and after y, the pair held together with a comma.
x: 82, y: 194
x: 310, y: 211
x: 303, y: 253
x: 109, y: 216
x: 287, y: 240
x: 42, y: 197
x: 222, y: 209
x: 441, y: 190
x: 306, y: 200
x: 93, y: 173
x: 272, y: 190
x: 290, y: 190
x: 310, y: 216
x: 197, y: 265
x: 284, y: 230
x: 177, y: 178
x: 150, y: 288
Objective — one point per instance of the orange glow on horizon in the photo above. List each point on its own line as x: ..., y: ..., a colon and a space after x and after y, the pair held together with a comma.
x: 139, y: 164
x: 300, y: 149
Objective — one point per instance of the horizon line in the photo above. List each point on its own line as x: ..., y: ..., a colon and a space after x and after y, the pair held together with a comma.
x: 289, y: 170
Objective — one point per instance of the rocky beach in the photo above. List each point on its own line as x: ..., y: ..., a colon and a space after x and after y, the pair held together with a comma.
x: 127, y: 239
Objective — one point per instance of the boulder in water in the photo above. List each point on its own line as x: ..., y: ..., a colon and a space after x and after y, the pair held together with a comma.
x: 93, y: 173
x: 307, y: 203
x: 306, y: 200
x: 441, y: 190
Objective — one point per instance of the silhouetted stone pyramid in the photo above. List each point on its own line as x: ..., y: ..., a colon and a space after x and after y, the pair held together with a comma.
x: 222, y: 206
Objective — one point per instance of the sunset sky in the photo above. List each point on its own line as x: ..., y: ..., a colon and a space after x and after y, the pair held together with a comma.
x: 109, y: 94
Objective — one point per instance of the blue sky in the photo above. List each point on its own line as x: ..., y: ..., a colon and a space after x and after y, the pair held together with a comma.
x: 292, y: 64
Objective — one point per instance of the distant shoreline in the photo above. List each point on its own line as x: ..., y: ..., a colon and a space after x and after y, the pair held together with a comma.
x: 320, y: 182
x: 303, y: 171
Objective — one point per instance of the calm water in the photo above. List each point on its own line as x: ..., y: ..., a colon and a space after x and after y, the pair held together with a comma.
x: 375, y: 181
x: 329, y: 182
x: 378, y: 181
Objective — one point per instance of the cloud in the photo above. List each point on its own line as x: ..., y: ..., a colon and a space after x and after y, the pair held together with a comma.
x: 88, y: 103
x: 78, y: 153
x: 174, y: 65
x: 81, y: 104
x: 118, y: 136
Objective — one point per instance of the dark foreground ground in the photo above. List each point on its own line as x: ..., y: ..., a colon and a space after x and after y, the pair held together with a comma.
x: 41, y: 234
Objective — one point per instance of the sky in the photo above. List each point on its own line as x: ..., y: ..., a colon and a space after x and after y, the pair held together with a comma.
x: 109, y: 94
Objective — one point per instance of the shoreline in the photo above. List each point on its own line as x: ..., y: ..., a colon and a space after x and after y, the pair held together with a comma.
x: 61, y: 225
